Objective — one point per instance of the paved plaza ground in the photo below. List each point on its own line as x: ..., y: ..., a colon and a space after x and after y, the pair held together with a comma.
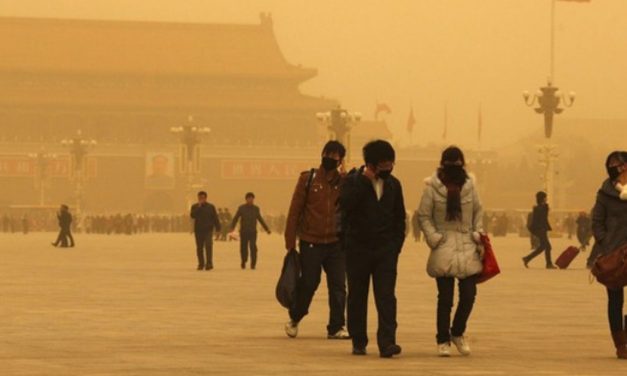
x: 135, y: 305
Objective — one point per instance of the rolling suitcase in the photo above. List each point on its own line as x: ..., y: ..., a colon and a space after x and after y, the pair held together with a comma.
x: 567, y: 257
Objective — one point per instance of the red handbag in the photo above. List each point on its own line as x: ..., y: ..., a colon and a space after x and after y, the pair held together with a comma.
x: 490, y: 265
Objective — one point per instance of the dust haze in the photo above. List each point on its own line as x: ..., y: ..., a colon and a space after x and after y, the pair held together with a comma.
x: 451, y: 62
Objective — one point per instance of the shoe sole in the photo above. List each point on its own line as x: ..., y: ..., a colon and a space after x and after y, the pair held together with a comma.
x: 338, y: 338
x: 395, y: 353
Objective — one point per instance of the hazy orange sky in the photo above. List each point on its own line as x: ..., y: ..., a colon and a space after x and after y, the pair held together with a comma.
x: 423, y: 53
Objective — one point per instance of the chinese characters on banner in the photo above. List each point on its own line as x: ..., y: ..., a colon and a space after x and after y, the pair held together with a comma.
x: 25, y: 167
x: 264, y: 169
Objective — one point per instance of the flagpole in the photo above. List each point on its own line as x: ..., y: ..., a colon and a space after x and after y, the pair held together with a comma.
x: 551, y: 76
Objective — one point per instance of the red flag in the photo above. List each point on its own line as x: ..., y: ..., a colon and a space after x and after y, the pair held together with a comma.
x: 381, y: 107
x: 411, y: 121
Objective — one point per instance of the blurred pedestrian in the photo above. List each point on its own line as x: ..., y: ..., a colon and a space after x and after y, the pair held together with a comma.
x: 205, y: 222
x: 250, y: 214
x: 584, y: 230
x: 65, y: 222
x: 540, y: 227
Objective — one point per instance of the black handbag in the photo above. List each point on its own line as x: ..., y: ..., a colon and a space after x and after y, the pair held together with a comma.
x: 290, y: 274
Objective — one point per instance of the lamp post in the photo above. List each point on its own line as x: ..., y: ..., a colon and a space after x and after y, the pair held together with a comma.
x: 41, y: 159
x: 190, y: 138
x: 339, y: 123
x: 79, y: 147
x: 549, y: 99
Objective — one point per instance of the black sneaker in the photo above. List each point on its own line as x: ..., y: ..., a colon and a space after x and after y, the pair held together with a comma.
x: 200, y: 267
x: 243, y: 265
x: 359, y: 351
x: 390, y: 351
x: 551, y: 266
x: 208, y: 267
x: 526, y: 262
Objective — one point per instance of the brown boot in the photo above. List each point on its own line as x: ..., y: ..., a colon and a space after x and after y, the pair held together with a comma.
x: 620, y: 344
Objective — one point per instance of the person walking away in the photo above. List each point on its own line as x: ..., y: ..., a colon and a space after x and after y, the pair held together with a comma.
x: 609, y: 221
x: 205, y: 222
x: 250, y: 214
x: 584, y: 230
x: 25, y: 224
x: 65, y: 222
x: 540, y: 228
x: 452, y: 220
x: 222, y: 224
x: 313, y: 220
x: 374, y: 227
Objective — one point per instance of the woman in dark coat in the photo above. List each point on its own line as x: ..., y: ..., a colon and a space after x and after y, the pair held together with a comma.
x: 609, y: 221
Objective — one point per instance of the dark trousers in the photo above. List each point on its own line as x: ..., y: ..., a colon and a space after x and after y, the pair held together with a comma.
x: 545, y: 246
x: 204, y: 244
x: 446, y: 292
x: 248, y: 241
x: 64, y: 235
x: 314, y: 258
x: 615, y: 300
x: 360, y: 267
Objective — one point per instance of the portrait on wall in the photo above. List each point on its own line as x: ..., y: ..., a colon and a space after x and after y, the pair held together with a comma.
x: 159, y: 170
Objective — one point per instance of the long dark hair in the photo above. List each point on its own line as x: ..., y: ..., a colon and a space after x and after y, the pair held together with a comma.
x: 453, y: 176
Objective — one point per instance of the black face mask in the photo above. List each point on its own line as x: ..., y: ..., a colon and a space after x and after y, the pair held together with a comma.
x: 614, y: 172
x: 454, y: 174
x: 329, y: 164
x: 384, y: 174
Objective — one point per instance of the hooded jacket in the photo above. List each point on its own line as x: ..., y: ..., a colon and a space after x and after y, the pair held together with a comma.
x: 454, y: 244
x: 609, y: 218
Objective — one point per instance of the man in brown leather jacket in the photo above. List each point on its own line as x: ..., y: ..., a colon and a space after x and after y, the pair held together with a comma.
x: 312, y: 219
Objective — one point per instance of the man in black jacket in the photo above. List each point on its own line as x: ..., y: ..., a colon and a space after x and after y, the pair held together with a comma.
x: 250, y: 214
x: 65, y: 223
x: 540, y: 228
x: 205, y: 221
x: 373, y: 230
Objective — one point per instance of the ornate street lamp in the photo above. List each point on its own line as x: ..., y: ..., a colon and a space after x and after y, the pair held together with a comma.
x: 339, y: 123
x: 79, y: 147
x: 41, y: 160
x: 549, y: 99
x: 190, y: 138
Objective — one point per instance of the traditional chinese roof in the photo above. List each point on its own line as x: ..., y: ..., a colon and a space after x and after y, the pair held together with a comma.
x: 94, y: 47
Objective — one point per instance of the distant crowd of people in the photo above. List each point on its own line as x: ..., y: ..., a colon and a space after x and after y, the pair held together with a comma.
x: 121, y: 223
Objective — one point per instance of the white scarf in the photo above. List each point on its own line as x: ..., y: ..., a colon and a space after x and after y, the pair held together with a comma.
x: 623, y: 191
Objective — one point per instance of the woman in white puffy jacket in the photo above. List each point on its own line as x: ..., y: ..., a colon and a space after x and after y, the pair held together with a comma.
x: 450, y: 216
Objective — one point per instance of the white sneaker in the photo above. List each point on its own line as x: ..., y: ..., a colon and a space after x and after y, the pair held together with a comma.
x: 340, y: 334
x: 461, y: 344
x: 291, y: 329
x: 444, y: 349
